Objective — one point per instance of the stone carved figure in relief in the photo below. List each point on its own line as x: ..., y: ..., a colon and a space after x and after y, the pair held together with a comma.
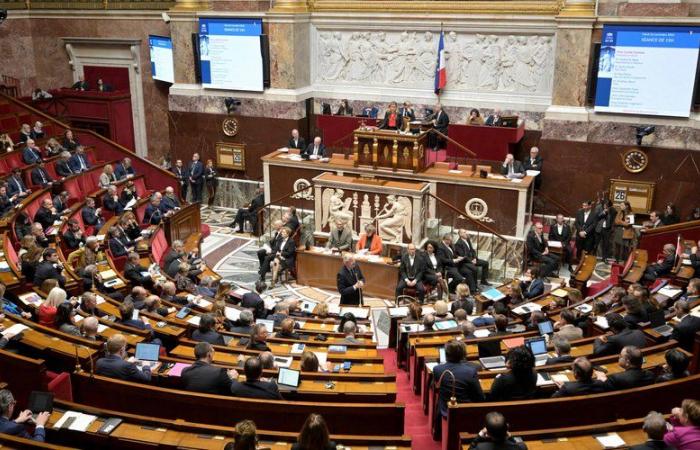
x: 394, y: 218
x: 475, y: 62
x: 334, y: 208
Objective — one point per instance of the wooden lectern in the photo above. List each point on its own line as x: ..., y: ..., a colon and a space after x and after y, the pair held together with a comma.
x: 183, y: 224
x: 389, y: 149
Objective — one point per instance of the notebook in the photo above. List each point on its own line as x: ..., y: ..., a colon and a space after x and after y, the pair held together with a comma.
x: 545, y: 327
x: 288, y: 378
x: 493, y: 362
x: 147, y: 352
x: 658, y: 323
x: 538, y: 347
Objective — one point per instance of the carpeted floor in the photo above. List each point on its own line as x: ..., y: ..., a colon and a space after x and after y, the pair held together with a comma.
x: 415, y: 422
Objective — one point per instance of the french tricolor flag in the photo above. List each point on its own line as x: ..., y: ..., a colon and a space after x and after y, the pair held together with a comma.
x: 440, y: 69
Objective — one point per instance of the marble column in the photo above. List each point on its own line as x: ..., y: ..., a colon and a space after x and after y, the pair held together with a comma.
x: 182, y: 24
x: 289, y: 49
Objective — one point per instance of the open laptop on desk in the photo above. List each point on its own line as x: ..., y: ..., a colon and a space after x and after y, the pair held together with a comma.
x: 493, y: 362
x: 147, y: 354
x: 546, y: 327
x: 288, y: 379
x: 538, y: 347
x: 658, y: 323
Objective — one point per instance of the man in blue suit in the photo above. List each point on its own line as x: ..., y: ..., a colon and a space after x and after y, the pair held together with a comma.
x: 31, y: 154
x: 196, y: 177
x: 113, y: 364
x: 16, y: 427
x: 15, y: 185
x: 78, y: 162
x: 154, y: 212
x: 457, y: 376
x: 124, y: 169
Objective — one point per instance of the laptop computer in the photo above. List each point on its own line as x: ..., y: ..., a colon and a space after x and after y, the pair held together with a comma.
x: 288, y: 379
x: 493, y: 362
x: 538, y: 347
x: 545, y: 327
x: 269, y: 324
x: 39, y: 402
x: 147, y: 354
x: 658, y: 323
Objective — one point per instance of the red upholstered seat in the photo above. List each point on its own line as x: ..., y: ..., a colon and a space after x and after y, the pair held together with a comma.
x: 32, y: 207
x: 60, y: 385
x: 72, y: 186
x: 159, y: 246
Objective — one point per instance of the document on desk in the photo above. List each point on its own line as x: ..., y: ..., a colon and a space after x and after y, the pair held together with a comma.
x: 527, y: 308
x: 269, y: 301
x: 554, y: 244
x: 333, y: 308
x: 532, y: 173
x: 194, y: 320
x: 14, y: 330
x: 202, y: 303
x: 80, y: 421
x: 232, y: 313
x: 602, y: 322
x: 670, y: 291
x: 431, y: 365
x: 31, y: 298
x: 481, y: 332
x: 428, y: 310
x: 561, y: 293
x: 4, y: 266
x: 399, y: 311
x: 176, y: 370
x: 360, y: 313
x: 610, y: 440
x: 322, y: 358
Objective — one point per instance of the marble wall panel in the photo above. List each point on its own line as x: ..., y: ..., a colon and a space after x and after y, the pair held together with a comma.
x: 571, y: 67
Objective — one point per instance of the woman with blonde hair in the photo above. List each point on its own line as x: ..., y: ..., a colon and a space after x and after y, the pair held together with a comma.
x: 441, y: 310
x: 29, y: 256
x: 322, y: 310
x: 53, y: 148
x: 107, y: 177
x: 464, y: 299
x: 48, y: 309
x: 182, y: 280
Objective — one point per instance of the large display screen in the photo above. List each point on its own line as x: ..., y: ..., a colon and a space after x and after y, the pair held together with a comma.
x: 230, y: 54
x: 648, y: 70
x: 161, y: 58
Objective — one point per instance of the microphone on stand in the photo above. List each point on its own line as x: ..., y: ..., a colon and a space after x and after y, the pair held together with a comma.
x: 357, y: 278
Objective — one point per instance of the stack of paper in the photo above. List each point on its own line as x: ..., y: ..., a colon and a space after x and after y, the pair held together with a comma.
x: 561, y: 293
x: 194, y: 320
x: 585, y: 308
x: 670, y: 291
x: 527, y: 308
x: 482, y: 332
x: 297, y: 349
x: 14, y: 330
x: 400, y: 311
x: 333, y: 308
x: 31, y: 299
x: 610, y: 440
x: 176, y: 370
x: 360, y: 313
x: 554, y: 244
x: 81, y: 421
x: 232, y: 313
x: 108, y: 274
x: 4, y: 266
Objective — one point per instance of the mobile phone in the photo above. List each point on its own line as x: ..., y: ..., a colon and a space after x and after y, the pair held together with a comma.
x: 347, y: 365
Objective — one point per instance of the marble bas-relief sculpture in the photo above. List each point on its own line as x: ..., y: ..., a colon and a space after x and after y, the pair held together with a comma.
x: 475, y: 62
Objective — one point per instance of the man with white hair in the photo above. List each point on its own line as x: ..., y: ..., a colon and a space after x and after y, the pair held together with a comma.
x: 111, y: 202
x: 662, y: 266
x: 350, y: 281
x: 124, y: 169
x: 296, y: 141
x: 90, y: 325
x: 534, y: 162
x: 170, y: 201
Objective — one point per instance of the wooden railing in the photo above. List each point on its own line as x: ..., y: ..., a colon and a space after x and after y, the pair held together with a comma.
x: 87, y: 4
x: 653, y: 239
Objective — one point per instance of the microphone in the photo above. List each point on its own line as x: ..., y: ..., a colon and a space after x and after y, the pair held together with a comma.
x: 453, y: 397
x: 78, y: 367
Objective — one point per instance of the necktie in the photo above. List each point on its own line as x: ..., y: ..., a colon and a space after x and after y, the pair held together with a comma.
x: 43, y: 178
x: 82, y: 163
x: 19, y: 186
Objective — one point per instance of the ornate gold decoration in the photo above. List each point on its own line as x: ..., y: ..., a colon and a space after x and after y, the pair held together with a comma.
x: 386, y: 152
x: 527, y: 7
x: 230, y: 126
x: 365, y: 150
x: 405, y: 153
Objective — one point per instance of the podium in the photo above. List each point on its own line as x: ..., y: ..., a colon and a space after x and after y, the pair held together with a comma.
x: 389, y: 149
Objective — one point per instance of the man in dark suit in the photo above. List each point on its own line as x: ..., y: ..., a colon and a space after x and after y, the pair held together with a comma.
x: 244, y: 324
x: 92, y: 216
x: 196, y: 177
x: 74, y: 236
x: 350, y: 282
x: 631, y: 360
x: 250, y: 213
x: 281, y: 312
x: 440, y: 123
x: 63, y: 167
x: 291, y: 220
x: 17, y: 427
x: 119, y: 243
x: 411, y: 273
x: 110, y: 201
x: 253, y: 300
x: 205, y: 332
x: 124, y: 169
x: 60, y: 202
x: 663, y: 266
x: 493, y: 347
x: 253, y: 387
x: 31, y: 153
x: 585, y: 228
x: 78, y: 162
x: 315, y: 150
x: 407, y: 111
x: 40, y: 177
x: 534, y: 162
x: 495, y: 435
x: 655, y: 427
x: 494, y: 120
x: 126, y: 312
x: 49, y: 268
x: 180, y: 172
x: 458, y: 376
x: 133, y: 271
x: 287, y: 329
x: 296, y: 141
x: 687, y: 327
x: 81, y: 85
x: 562, y: 348
x: 464, y: 248
x: 561, y: 232
x: 264, y: 256
x: 604, y: 228
x: 170, y: 201
x: 622, y: 337
x: 512, y: 168
x: 15, y: 185
x: 584, y: 384
x: 46, y: 214
x: 449, y: 260
x: 153, y: 214
x: 202, y: 376
x: 538, y: 250
x: 113, y: 364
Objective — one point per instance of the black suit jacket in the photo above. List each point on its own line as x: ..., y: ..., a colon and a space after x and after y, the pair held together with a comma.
x: 571, y: 388
x: 119, y: 247
x: 517, y: 168
x: 535, y: 247
x: 111, y: 204
x: 412, y: 272
x: 253, y: 301
x: 630, y: 378
x: 442, y: 120
x: 90, y: 216
x: 564, y: 236
x: 606, y: 221
x: 465, y: 249
x: 301, y: 143
x: 506, y: 387
x: 617, y: 341
x: 310, y: 150
x: 431, y: 268
x: 203, y: 377
x: 132, y: 272
x: 210, y: 336
x: 664, y: 267
x: 589, y: 225
x: 45, y: 217
x: 529, y: 165
x: 71, y: 241
x: 384, y: 124
x: 37, y: 179
x: 684, y: 332
x: 289, y: 251
x: 115, y: 367
x: 465, y: 383
x: 559, y: 360
x: 444, y: 255
x: 46, y: 270
x: 292, y: 224
x: 410, y: 113
x: 63, y: 168
x: 345, y: 282
x: 256, y: 389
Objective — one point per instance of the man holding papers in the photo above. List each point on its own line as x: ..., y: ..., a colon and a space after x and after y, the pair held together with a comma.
x: 16, y: 427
